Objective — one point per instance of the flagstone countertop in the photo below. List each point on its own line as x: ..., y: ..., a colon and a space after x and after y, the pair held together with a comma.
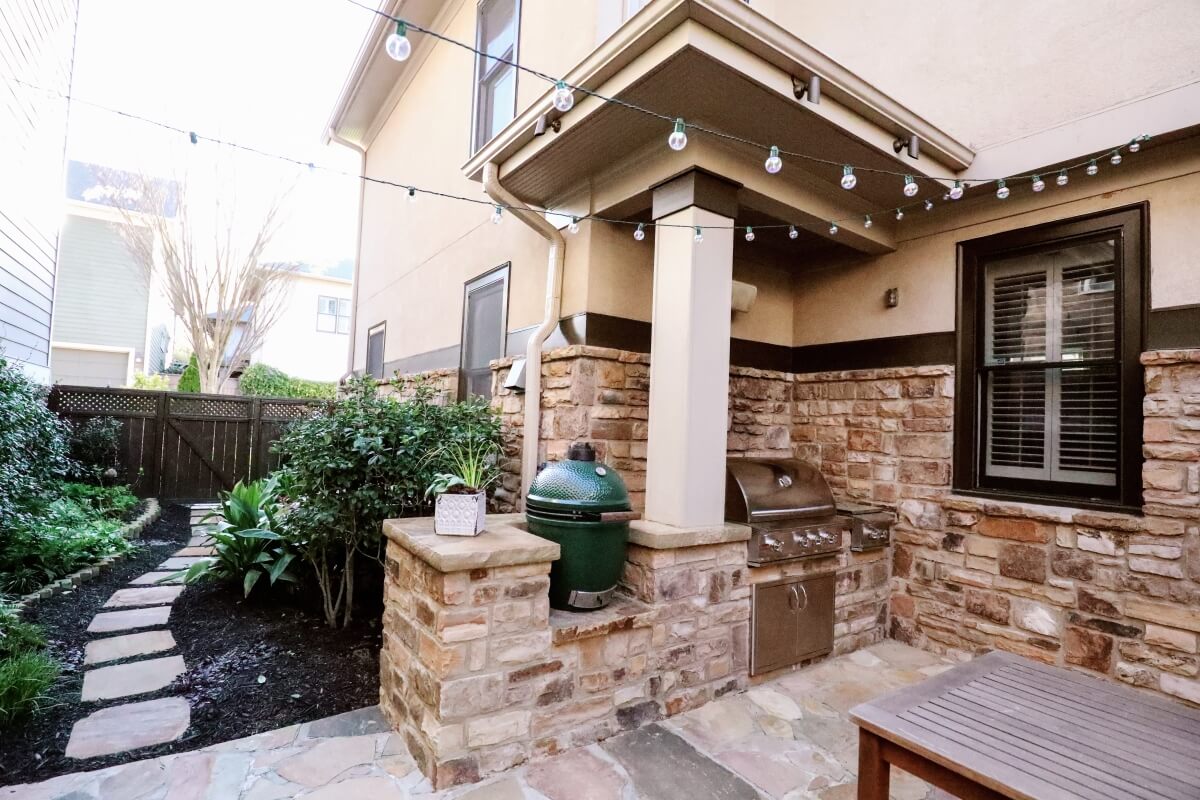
x: 504, y: 543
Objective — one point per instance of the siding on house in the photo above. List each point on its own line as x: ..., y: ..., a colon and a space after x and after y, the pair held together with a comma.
x: 36, y: 43
x: 102, y: 295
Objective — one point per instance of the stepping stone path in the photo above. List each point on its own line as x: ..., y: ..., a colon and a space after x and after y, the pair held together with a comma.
x: 143, y: 644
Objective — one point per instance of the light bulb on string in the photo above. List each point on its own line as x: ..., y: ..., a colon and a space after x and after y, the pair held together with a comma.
x: 1001, y: 190
x: 678, y: 138
x: 1116, y: 158
x: 497, y: 213
x: 1092, y: 169
x: 849, y: 181
x: 1135, y: 145
x: 640, y: 232
x: 956, y: 191
x: 564, y: 98
x: 1063, y: 179
x: 749, y: 234
x: 867, y: 221
x: 193, y: 138
x: 699, y: 237
x: 398, y: 47
x: 792, y: 232
x: 833, y: 229
x: 899, y: 214
x: 773, y: 163
x: 412, y: 194
x: 1038, y: 183
x: 574, y: 226
x: 910, y: 186
x: 928, y: 205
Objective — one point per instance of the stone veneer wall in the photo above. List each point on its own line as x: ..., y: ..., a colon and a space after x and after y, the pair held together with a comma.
x: 602, y: 395
x: 444, y: 383
x: 1118, y: 594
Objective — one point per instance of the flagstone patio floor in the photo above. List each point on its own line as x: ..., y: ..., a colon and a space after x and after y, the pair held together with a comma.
x: 788, y: 739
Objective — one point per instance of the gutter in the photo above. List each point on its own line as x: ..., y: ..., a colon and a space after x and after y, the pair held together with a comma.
x: 333, y: 136
x: 531, y: 431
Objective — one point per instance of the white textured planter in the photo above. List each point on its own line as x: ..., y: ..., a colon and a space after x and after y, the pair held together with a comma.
x: 459, y: 514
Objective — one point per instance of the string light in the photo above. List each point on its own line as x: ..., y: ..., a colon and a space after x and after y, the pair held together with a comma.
x: 639, y: 233
x: 412, y: 194
x: 497, y: 213
x: 564, y: 98
x: 792, y: 232
x: 678, y: 138
x: 1062, y: 178
x: 1002, y: 190
x: 833, y: 229
x: 848, y: 179
x: 398, y: 47
x: 1038, y: 183
x: 574, y: 226
x: 749, y: 234
x: 1092, y: 169
x: 1135, y: 144
x: 1116, y: 158
x: 867, y: 221
x: 928, y: 205
x: 699, y: 237
x: 956, y: 191
x: 910, y: 186
x: 899, y: 214
x: 774, y: 163
x: 193, y: 137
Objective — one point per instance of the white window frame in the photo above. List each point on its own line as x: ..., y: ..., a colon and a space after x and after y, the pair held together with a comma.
x: 339, y: 320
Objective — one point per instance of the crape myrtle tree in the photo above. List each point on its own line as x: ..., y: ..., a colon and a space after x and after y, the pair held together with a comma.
x: 207, y: 264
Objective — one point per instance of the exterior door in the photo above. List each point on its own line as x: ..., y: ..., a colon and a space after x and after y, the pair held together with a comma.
x: 485, y: 309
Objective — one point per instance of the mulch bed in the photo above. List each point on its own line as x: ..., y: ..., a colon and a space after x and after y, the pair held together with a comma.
x: 308, y: 671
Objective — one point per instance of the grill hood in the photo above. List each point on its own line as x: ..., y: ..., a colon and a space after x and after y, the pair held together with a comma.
x: 763, y: 491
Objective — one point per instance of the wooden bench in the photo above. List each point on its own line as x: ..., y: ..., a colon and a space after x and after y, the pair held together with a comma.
x: 1002, y: 726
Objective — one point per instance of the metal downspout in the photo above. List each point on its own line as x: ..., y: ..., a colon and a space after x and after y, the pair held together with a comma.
x: 533, y: 351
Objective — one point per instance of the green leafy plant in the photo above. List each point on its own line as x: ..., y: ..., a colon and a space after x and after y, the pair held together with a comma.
x: 110, y: 501
x: 244, y: 539
x: 153, y: 383
x: 261, y: 380
x: 365, y: 458
x: 26, y: 672
x: 473, y: 464
x: 16, y: 635
x: 33, y: 441
x: 189, y: 381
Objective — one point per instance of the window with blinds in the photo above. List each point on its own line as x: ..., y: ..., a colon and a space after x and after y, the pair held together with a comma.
x: 1050, y: 382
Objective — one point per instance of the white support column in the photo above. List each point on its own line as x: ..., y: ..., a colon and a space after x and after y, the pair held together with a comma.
x: 689, y: 370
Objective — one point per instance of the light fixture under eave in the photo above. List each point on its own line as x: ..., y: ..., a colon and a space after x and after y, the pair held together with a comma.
x: 912, y: 142
x: 810, y: 89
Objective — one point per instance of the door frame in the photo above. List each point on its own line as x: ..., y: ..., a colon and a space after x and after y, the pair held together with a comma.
x: 494, y: 275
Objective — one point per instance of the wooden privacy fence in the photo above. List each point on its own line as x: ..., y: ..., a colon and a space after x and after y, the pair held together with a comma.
x: 186, y: 446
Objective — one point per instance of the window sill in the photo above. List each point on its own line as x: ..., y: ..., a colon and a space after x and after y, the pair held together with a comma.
x: 1001, y: 496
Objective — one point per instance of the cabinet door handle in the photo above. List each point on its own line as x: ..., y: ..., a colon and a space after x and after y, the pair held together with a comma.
x: 805, y: 591
x: 793, y: 599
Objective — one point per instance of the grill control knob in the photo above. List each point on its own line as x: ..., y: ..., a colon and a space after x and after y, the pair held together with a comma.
x: 813, y: 539
x: 771, y: 543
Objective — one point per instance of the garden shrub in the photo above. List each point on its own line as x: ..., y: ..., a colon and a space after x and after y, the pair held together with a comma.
x: 26, y: 671
x: 95, y: 449
x: 152, y: 383
x: 33, y: 441
x: 364, y: 459
x: 261, y: 380
x: 189, y: 381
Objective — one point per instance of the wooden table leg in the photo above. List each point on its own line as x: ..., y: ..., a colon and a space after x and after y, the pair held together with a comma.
x: 873, y: 770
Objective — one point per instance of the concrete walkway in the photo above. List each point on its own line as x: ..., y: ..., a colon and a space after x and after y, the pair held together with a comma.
x: 135, y: 660
x: 787, y: 740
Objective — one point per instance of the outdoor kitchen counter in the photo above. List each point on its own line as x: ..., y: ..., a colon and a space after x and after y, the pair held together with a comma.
x: 658, y: 536
x: 505, y: 543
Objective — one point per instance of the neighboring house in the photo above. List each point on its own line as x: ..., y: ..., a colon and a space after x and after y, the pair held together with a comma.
x: 109, y: 323
x: 1016, y: 375
x: 36, y: 47
x: 311, y: 337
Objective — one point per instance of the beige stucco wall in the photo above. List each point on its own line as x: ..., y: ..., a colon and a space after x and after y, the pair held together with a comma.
x: 844, y: 302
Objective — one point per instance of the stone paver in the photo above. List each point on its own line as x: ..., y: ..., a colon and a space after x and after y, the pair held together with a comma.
x: 109, y: 621
x: 148, y: 596
x: 127, y: 646
x: 196, y: 550
x: 129, y: 726
x: 137, y: 677
x: 787, y: 739
x: 181, y: 562
x: 154, y: 578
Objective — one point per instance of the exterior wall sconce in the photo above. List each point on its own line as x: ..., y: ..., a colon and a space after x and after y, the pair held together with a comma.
x: 544, y: 122
x: 812, y: 88
x: 913, y: 143
x: 891, y: 298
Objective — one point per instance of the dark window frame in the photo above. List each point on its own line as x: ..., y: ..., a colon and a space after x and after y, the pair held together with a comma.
x: 378, y: 328
x: 500, y: 274
x: 1130, y: 226
x: 480, y: 74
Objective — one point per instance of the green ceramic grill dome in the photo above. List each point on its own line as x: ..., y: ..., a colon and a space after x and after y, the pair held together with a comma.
x: 583, y: 506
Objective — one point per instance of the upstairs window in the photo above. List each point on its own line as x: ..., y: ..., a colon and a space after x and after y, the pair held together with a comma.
x: 333, y: 314
x: 485, y: 324
x: 1052, y: 336
x: 376, y: 338
x: 495, y: 77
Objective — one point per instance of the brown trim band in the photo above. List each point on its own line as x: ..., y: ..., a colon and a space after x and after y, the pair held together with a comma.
x: 1175, y: 328
x: 915, y: 350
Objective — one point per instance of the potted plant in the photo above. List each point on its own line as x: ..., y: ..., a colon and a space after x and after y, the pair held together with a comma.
x: 461, y: 491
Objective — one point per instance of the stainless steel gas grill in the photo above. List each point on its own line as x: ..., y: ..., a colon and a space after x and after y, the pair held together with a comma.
x: 792, y: 516
x: 787, y: 505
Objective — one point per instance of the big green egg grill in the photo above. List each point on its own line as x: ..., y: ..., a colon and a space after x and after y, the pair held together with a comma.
x: 583, y: 506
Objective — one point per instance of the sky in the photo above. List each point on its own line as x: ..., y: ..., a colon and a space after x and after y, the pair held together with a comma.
x: 265, y: 73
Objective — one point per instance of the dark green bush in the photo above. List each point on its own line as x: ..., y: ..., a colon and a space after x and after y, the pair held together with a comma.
x: 362, y: 460
x: 189, y: 381
x: 26, y: 672
x: 109, y: 501
x: 33, y: 446
x: 261, y: 380
x: 95, y: 448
